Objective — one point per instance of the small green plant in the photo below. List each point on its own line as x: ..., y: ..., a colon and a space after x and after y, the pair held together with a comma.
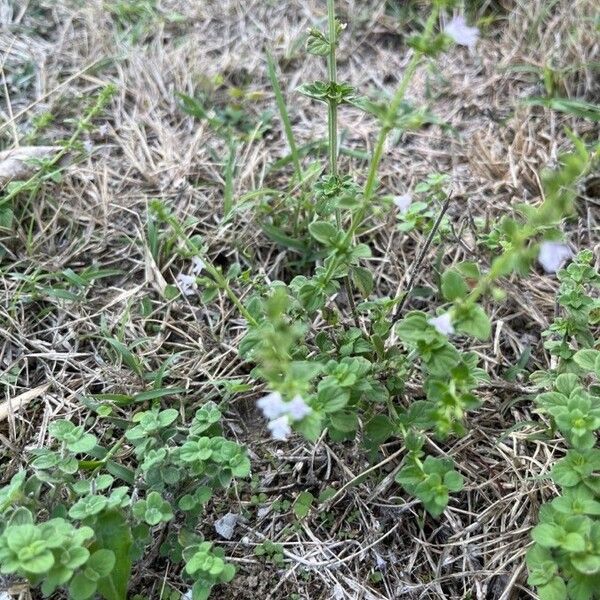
x: 329, y: 378
x: 270, y: 551
x: 90, y: 548
x: 564, y: 561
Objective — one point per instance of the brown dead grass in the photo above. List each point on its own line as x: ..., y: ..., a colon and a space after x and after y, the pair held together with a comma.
x: 57, y: 54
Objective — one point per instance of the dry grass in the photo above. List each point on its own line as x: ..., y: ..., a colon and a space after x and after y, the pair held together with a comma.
x: 55, y: 55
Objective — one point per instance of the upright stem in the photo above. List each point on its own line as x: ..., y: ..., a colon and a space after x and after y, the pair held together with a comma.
x: 332, y: 69
x: 370, y: 184
x: 393, y: 111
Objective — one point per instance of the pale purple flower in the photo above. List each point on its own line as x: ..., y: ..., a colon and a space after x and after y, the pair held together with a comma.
x: 461, y: 33
x: 403, y: 202
x: 280, y: 428
x: 197, y: 265
x: 297, y: 409
x: 443, y: 324
x: 187, y: 284
x: 553, y: 255
x: 272, y: 405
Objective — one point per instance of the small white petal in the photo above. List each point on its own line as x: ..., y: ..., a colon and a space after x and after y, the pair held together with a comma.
x: 263, y: 511
x: 553, y: 255
x: 280, y: 428
x: 187, y: 284
x: 297, y: 409
x: 461, y: 33
x: 443, y: 324
x: 403, y: 202
x: 272, y: 405
x: 225, y: 526
x: 197, y: 265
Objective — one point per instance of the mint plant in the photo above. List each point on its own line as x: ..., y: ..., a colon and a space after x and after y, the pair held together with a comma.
x: 334, y: 358
x: 328, y: 378
x: 564, y: 561
x: 89, y: 549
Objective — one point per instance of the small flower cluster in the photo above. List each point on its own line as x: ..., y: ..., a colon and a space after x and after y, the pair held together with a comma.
x: 187, y: 282
x: 280, y: 413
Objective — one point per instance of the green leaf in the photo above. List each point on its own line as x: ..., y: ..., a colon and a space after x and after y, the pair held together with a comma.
x: 345, y: 421
x: 130, y: 359
x: 311, y: 426
x: 362, y: 279
x: 303, y: 504
x: 87, y: 507
x: 81, y: 587
x: 323, y: 232
x: 474, y: 322
x: 588, y: 564
x: 575, y: 107
x: 379, y: 429
x: 157, y: 393
x: 566, y: 383
x: 101, y: 562
x: 201, y: 590
x: 587, y: 359
x: 317, y: 43
x: 554, y: 590
x: 331, y: 396
x: 453, y: 285
x: 113, y: 533
x: 453, y: 481
x: 281, y: 238
x: 547, y: 535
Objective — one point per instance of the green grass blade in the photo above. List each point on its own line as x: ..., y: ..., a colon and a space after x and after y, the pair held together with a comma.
x: 285, y: 119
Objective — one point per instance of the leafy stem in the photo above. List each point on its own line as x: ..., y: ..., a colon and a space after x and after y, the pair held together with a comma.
x: 332, y: 70
x: 370, y: 184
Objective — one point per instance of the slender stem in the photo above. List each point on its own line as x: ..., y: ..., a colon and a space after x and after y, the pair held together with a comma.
x: 420, y: 258
x: 333, y: 133
x: 332, y: 69
x: 393, y: 111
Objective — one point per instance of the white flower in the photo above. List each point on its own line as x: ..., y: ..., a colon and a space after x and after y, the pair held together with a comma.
x: 272, y: 405
x: 197, y: 265
x: 280, y: 428
x: 297, y: 409
x: 402, y: 202
x: 461, y: 33
x: 553, y: 255
x: 187, y: 284
x: 443, y: 324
